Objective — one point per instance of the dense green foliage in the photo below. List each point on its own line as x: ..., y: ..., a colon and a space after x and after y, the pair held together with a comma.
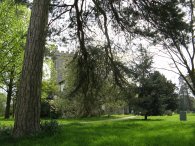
x: 13, y: 28
x: 12, y: 35
x: 155, y: 94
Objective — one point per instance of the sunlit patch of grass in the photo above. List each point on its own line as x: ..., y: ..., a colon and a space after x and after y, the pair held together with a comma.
x: 6, y: 122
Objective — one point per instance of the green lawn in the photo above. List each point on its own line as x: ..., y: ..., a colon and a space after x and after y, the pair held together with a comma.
x: 157, y: 131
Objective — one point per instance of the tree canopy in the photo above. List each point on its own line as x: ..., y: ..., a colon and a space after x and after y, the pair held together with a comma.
x: 12, y: 41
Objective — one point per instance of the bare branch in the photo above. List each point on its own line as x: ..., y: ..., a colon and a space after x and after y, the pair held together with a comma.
x: 61, y: 5
x: 57, y: 17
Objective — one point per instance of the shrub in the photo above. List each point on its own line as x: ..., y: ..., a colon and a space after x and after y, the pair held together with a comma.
x: 5, y: 131
x: 45, y: 109
x: 50, y: 127
x: 67, y: 108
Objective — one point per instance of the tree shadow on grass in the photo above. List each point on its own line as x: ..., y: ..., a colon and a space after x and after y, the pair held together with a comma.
x: 129, y: 132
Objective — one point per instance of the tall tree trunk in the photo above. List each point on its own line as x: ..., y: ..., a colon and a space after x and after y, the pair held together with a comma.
x: 27, y: 114
x: 9, y: 96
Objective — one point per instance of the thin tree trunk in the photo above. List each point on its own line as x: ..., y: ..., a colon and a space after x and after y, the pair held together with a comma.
x: 145, y: 117
x: 9, y: 97
x: 27, y: 114
x: 13, y: 107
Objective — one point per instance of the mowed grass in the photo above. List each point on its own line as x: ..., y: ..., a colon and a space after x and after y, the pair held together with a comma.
x: 157, y: 131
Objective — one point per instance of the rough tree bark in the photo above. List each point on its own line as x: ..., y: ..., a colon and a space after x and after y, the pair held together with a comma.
x: 27, y: 114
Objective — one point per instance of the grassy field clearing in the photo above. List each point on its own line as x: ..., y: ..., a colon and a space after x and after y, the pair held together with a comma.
x: 157, y: 131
